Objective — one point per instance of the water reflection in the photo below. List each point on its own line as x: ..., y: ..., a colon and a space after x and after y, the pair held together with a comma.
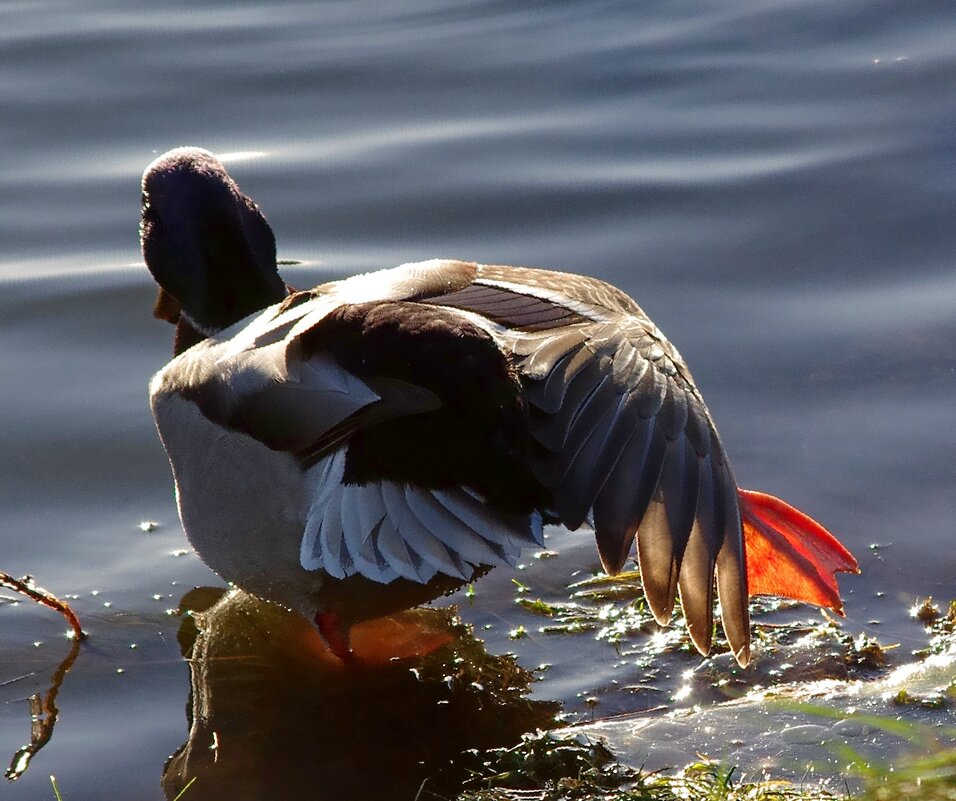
x: 272, y: 711
x: 43, y: 716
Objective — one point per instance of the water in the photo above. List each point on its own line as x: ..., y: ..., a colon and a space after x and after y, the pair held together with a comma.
x: 775, y: 185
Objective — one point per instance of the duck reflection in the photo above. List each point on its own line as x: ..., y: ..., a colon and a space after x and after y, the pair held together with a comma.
x: 272, y: 711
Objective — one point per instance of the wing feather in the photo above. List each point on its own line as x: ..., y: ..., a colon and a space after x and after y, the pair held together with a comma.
x: 623, y: 500
x: 666, y: 526
x: 553, y: 433
x: 732, y: 571
x: 673, y: 413
x: 548, y: 395
x: 587, y: 474
x: 402, y: 559
x: 359, y: 540
x: 539, y: 354
x: 626, y: 438
x: 457, y: 537
x: 428, y: 547
x: 511, y: 533
x: 696, y: 582
x: 371, y: 510
x: 650, y: 391
x: 581, y: 457
x: 335, y: 555
x: 593, y: 415
x: 324, y: 477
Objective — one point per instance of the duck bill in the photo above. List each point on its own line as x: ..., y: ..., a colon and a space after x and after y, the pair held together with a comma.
x: 791, y: 555
x: 167, y: 307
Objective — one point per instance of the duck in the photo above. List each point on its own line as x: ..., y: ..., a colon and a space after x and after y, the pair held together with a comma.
x: 350, y: 450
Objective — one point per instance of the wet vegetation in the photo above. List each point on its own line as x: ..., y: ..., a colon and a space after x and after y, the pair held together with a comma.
x: 546, y: 767
x: 613, y: 610
x: 549, y: 766
x: 265, y: 693
x: 941, y: 626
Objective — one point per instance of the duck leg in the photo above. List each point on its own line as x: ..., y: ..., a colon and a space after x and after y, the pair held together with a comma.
x: 335, y: 632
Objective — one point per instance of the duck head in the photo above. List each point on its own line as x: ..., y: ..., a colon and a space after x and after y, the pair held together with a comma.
x: 207, y: 245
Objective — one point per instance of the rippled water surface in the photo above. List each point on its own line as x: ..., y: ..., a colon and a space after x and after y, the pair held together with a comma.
x: 775, y: 183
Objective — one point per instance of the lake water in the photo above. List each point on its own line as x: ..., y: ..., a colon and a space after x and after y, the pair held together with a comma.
x: 775, y: 183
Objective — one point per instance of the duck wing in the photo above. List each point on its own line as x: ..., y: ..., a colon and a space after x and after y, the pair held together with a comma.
x: 621, y: 435
x: 448, y: 477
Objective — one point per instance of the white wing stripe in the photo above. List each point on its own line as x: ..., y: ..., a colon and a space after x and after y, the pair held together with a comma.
x: 453, y: 532
x: 425, y: 544
x: 396, y: 553
x: 359, y: 541
x: 326, y: 476
x: 478, y: 517
x: 335, y: 555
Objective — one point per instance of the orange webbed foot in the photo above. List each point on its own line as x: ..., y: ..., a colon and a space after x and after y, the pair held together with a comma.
x: 791, y: 555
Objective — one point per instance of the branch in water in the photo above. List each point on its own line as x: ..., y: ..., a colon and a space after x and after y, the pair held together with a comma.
x: 25, y: 586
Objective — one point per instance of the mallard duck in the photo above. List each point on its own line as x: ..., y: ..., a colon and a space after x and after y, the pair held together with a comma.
x: 353, y: 448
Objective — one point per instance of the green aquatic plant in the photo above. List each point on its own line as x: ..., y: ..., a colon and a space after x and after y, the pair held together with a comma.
x: 56, y: 789
x: 546, y: 766
x: 942, y: 627
x: 182, y: 792
x: 549, y: 767
x: 615, y: 610
x: 929, y: 778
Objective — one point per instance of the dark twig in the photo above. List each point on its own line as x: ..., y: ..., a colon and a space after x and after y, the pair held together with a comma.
x: 43, y: 711
x: 25, y: 586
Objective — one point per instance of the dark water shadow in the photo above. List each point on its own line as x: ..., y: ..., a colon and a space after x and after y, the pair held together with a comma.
x: 273, y: 714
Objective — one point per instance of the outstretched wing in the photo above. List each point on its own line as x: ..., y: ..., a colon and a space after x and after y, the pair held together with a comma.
x: 622, y: 435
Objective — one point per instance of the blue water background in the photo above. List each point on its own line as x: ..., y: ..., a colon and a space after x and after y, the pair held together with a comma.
x: 775, y: 183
